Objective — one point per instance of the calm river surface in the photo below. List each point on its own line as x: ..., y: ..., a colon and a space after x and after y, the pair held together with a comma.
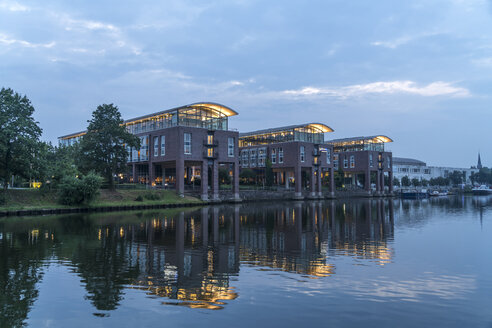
x: 371, y: 263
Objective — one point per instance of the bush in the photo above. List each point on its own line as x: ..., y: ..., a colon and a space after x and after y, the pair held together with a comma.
x: 3, y: 198
x: 139, y: 198
x: 152, y: 196
x: 74, y: 191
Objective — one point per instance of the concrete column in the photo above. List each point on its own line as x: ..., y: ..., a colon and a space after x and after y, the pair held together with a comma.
x: 318, y: 183
x: 298, y: 182
x: 332, y: 182
x: 151, y: 173
x: 235, y: 181
x: 134, y: 172
x: 390, y: 176
x: 367, y: 186
x: 312, y: 183
x: 215, y: 180
x: 204, y: 180
x: 180, y: 176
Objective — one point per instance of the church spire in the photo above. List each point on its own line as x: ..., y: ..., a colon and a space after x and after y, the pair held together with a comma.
x: 479, y: 164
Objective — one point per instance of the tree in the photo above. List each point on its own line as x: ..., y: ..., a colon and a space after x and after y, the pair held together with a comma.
x: 19, y: 136
x: 424, y: 182
x: 396, y: 182
x: 268, y: 173
x: 416, y: 182
x: 405, y: 181
x: 224, y: 176
x: 103, y: 147
x: 339, y: 176
x: 456, y: 177
x: 247, y: 175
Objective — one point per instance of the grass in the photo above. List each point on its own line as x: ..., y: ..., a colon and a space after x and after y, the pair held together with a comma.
x: 29, y: 199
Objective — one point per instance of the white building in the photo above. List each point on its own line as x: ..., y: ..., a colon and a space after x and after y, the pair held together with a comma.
x: 417, y: 169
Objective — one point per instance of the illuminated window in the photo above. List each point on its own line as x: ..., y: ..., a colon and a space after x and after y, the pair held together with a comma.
x: 210, y: 139
x: 345, y: 163
x: 210, y: 152
x: 187, y: 143
x: 156, y: 146
x: 302, y: 154
x: 352, y: 161
x: 163, y: 145
x: 230, y: 147
x: 280, y: 155
x: 274, y: 156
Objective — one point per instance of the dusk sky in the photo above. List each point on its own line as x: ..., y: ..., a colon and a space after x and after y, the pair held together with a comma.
x: 417, y: 71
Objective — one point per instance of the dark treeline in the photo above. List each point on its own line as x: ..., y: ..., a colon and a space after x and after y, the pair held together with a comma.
x: 76, y: 172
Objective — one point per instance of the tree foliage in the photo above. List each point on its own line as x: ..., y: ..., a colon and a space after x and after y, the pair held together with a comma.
x: 103, y: 147
x: 268, y: 173
x: 247, y: 175
x: 224, y: 176
x: 75, y: 191
x: 405, y: 181
x: 19, y: 136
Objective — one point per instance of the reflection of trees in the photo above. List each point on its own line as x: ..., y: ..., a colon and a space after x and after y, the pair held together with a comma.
x: 21, y: 256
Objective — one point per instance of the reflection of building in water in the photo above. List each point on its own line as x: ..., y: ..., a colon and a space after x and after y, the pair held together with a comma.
x: 298, y: 238
x: 186, y: 259
x: 362, y: 229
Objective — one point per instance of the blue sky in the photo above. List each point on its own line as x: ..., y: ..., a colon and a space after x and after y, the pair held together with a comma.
x: 417, y: 71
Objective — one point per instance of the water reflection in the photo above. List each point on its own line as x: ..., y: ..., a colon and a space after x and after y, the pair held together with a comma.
x: 192, y: 258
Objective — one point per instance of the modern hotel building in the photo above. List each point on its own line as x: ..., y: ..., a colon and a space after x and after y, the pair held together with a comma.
x: 180, y: 144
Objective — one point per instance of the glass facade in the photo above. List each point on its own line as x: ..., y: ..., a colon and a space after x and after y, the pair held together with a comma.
x: 305, y: 134
x: 156, y: 146
x: 163, y: 145
x: 230, y: 147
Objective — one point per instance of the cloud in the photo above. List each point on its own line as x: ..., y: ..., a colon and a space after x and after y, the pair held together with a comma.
x: 483, y: 62
x: 4, y: 39
x: 13, y: 6
x: 395, y: 43
x: 438, y: 88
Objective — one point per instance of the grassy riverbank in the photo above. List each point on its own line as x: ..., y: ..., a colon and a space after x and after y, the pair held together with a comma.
x: 30, y: 199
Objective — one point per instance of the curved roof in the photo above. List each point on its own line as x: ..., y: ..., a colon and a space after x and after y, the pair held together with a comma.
x: 407, y: 161
x: 317, y: 126
x: 227, y: 111
x: 373, y: 139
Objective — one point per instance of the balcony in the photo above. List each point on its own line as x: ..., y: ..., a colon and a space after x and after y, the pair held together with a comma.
x: 214, y: 143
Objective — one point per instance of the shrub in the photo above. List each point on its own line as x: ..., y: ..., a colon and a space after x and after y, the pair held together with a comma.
x: 74, y: 191
x: 139, y: 198
x: 152, y: 196
x: 3, y: 198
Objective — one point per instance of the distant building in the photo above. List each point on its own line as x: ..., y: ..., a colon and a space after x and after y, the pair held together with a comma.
x: 298, y: 153
x: 479, y: 163
x: 415, y: 169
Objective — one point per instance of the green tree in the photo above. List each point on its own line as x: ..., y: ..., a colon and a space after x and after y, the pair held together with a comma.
x: 103, y: 147
x: 339, y: 176
x: 247, y: 175
x: 268, y: 173
x: 224, y: 176
x: 19, y: 136
x: 424, y: 182
x: 405, y: 181
x: 416, y: 182
x: 396, y: 182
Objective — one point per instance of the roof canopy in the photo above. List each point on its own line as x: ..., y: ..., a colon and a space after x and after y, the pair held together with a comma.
x: 369, y: 139
x: 318, y: 127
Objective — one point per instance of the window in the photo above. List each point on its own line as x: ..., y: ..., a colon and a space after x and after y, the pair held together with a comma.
x: 261, y: 157
x: 187, y: 143
x: 335, y: 161
x: 427, y: 171
x: 389, y: 162
x: 252, y: 157
x: 328, y: 156
x: 302, y: 154
x: 345, y: 163
x: 274, y: 156
x: 245, y: 157
x: 156, y: 146
x: 210, y: 152
x: 280, y: 155
x: 163, y: 145
x: 352, y: 161
x: 129, y: 151
x: 371, y: 163
x: 144, y: 148
x: 230, y: 147
x: 210, y: 139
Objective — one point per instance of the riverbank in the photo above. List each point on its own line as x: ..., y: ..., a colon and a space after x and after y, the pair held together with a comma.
x: 37, y: 202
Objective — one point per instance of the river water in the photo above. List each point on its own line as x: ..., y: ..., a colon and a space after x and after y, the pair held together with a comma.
x: 353, y: 263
